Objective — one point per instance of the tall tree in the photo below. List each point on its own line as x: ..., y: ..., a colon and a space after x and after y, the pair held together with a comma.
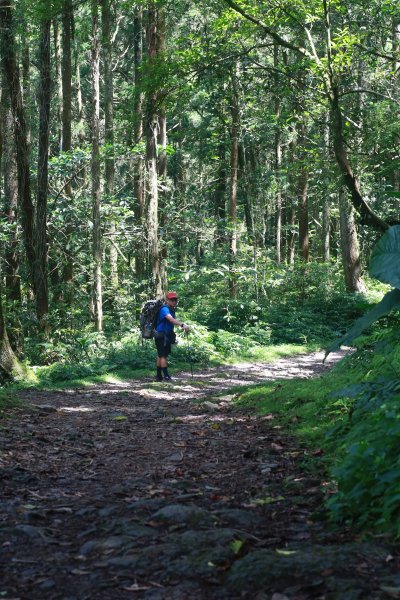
x: 66, y: 135
x: 109, y: 134
x: 152, y: 125
x: 11, y: 74
x: 302, y: 192
x: 96, y: 191
x: 138, y: 134
x: 278, y: 157
x: 42, y: 300
x: 330, y: 71
x: 11, y: 256
x: 232, y: 226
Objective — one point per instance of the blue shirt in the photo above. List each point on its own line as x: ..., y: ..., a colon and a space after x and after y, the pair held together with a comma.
x: 163, y: 325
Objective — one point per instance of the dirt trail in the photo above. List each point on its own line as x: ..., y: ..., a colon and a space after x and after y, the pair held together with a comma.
x: 166, y: 491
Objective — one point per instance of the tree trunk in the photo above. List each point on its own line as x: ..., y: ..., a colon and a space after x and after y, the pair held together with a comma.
x: 26, y: 82
x: 96, y: 244
x: 162, y: 148
x: 58, y: 82
x: 80, y: 126
x: 10, y: 70
x: 395, y: 91
x: 109, y: 137
x: 138, y: 134
x: 349, y: 246
x: 278, y: 162
x: 220, y: 195
x: 66, y: 138
x: 326, y: 205
x: 233, y: 291
x: 302, y: 196
x: 368, y: 216
x: 152, y: 124
x: 42, y: 301
x: 11, y: 259
x: 10, y: 367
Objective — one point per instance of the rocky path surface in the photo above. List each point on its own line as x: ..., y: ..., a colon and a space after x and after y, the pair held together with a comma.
x: 167, y: 491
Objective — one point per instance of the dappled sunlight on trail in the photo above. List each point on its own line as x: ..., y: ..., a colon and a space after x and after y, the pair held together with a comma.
x: 170, y: 492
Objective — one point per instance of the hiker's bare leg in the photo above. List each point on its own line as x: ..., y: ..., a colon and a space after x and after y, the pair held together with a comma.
x: 162, y: 361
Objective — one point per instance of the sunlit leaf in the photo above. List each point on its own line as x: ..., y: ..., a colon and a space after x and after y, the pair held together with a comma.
x: 385, y: 259
x: 236, y: 546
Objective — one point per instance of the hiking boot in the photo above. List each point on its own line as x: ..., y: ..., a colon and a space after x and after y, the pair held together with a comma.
x: 168, y: 378
x: 158, y: 378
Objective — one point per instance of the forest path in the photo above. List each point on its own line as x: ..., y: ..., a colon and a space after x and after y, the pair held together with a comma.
x: 167, y: 491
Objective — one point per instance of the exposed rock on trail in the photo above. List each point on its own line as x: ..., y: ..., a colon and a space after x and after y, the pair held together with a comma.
x: 166, y: 491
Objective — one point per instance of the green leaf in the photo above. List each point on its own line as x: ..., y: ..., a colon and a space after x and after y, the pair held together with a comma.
x: 390, y: 301
x: 385, y: 259
x: 236, y: 546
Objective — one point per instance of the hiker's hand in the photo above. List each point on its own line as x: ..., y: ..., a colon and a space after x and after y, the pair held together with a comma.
x: 185, y: 327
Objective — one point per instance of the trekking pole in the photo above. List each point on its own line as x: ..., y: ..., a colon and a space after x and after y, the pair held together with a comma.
x: 189, y: 353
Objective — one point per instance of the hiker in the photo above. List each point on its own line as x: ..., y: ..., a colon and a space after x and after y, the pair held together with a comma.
x: 164, y: 334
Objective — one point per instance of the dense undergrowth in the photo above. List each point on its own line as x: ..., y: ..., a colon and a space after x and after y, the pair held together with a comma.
x: 350, y: 419
x: 307, y: 307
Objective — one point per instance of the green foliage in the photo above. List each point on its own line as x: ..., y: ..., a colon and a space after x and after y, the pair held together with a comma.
x: 352, y: 413
x: 369, y: 474
x: 306, y: 305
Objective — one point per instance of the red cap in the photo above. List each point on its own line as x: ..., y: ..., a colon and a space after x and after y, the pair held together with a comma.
x: 171, y: 295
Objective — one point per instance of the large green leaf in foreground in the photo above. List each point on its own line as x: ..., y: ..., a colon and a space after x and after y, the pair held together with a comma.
x: 385, y: 259
x: 390, y: 301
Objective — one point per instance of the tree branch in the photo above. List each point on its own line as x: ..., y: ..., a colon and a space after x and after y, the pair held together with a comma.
x: 275, y: 36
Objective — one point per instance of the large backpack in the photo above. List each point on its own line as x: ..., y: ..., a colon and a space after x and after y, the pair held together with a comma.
x: 148, y: 317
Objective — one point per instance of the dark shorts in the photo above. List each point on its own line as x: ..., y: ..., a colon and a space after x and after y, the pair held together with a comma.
x: 163, y: 347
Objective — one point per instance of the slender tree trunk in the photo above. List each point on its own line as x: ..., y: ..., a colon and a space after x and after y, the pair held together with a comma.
x: 302, y: 196
x: 233, y: 291
x: 396, y: 91
x: 220, y: 196
x: 349, y: 246
x: 152, y: 125
x: 66, y: 139
x: 291, y: 238
x: 26, y: 80
x: 10, y: 71
x: 97, y: 245
x: 80, y: 126
x: 11, y: 271
x: 66, y: 73
x: 326, y: 230
x: 42, y: 301
x: 245, y: 167
x: 162, y: 146
x: 326, y: 205
x: 58, y: 79
x: 278, y: 162
x: 109, y: 136
x: 138, y: 134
